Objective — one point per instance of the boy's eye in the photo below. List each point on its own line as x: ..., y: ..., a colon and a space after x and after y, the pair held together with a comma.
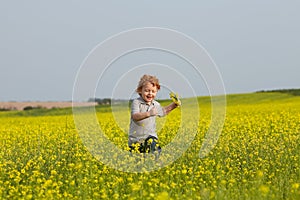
x: 153, y: 91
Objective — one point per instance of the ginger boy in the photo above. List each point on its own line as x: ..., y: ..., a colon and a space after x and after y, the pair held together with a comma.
x: 144, y: 110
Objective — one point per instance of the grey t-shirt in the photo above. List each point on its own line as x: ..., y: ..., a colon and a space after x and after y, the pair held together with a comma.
x: 140, y: 130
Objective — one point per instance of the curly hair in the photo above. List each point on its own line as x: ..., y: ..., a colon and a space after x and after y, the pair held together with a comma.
x: 147, y: 79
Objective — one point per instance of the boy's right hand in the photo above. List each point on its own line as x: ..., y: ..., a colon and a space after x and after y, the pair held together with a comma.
x: 153, y: 112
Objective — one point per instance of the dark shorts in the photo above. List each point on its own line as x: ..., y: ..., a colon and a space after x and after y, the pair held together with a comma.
x: 149, y: 146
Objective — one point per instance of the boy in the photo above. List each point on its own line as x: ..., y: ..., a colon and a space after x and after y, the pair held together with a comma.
x: 144, y: 109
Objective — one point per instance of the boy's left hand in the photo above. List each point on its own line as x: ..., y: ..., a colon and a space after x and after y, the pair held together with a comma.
x: 175, y: 99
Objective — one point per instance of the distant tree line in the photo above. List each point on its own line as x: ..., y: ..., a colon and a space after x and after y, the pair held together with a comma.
x: 295, y: 92
x: 105, y: 101
x: 33, y: 107
x: 25, y: 108
x: 7, y: 109
x: 108, y: 101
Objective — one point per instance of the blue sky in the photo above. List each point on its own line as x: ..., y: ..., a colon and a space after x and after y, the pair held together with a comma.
x: 255, y: 44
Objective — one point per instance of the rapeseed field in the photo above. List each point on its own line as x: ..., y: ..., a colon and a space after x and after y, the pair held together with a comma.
x: 256, y: 156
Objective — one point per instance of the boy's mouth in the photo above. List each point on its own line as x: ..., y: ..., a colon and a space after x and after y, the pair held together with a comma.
x: 149, y: 97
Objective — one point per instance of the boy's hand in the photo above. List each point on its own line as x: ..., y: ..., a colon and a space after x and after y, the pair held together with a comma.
x: 175, y: 99
x: 153, y: 112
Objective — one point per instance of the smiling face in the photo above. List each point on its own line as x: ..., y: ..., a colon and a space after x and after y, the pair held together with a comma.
x: 149, y: 92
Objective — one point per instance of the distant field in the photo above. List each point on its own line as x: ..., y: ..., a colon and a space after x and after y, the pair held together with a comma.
x: 48, y: 105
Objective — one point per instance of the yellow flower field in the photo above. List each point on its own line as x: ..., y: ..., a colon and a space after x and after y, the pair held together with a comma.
x: 256, y: 157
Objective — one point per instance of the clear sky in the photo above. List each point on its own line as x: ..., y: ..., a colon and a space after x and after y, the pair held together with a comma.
x: 255, y: 44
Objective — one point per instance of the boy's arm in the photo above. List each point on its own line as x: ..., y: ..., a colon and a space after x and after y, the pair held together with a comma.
x: 143, y: 115
x: 169, y: 108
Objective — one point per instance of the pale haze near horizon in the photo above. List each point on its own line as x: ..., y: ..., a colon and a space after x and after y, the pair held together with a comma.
x: 255, y: 44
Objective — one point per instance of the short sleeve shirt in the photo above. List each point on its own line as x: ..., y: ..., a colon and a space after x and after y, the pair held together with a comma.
x: 140, y: 130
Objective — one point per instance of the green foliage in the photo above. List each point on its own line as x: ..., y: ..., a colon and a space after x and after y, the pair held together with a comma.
x: 295, y: 92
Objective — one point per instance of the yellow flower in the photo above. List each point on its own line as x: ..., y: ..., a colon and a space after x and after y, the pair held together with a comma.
x: 260, y: 173
x: 162, y: 196
x: 135, y: 187
x: 264, y: 189
x: 295, y: 185
x: 53, y: 172
x: 175, y: 98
